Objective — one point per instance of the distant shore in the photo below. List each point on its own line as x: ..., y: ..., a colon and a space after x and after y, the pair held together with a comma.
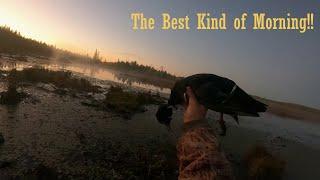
x: 282, y: 109
x: 291, y: 110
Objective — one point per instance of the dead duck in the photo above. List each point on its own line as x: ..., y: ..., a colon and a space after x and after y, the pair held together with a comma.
x: 214, y: 92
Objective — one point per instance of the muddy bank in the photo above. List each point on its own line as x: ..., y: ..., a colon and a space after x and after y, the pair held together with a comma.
x: 49, y: 134
x: 59, y: 135
x: 291, y: 110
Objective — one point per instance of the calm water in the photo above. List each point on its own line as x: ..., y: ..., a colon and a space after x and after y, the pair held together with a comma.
x: 93, y: 71
x: 296, y: 130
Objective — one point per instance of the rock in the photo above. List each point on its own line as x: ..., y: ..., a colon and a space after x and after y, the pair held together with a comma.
x: 44, y: 172
x: 1, y: 138
x: 4, y: 164
x: 34, y: 100
x: 99, y: 97
x: 61, y: 91
x: 47, y: 87
x: 19, y: 90
x: 12, y: 97
x: 90, y: 103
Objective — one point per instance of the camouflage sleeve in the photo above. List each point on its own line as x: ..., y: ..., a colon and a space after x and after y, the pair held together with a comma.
x: 200, y: 155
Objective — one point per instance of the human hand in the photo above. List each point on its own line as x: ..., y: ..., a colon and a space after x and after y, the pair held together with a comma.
x: 193, y: 109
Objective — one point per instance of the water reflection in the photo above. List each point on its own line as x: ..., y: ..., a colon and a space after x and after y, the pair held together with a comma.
x: 6, y: 66
x: 91, y: 70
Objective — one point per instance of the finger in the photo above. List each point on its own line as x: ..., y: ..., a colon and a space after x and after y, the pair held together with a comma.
x: 192, y: 97
x: 186, y: 101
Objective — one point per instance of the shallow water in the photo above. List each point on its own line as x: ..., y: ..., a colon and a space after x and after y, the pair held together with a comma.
x: 297, y: 130
x: 93, y: 71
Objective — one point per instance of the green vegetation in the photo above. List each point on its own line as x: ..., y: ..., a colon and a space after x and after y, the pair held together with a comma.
x: 128, y: 103
x: 262, y: 165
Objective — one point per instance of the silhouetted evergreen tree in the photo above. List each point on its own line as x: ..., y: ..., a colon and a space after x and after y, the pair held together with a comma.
x: 134, y: 66
x: 12, y: 42
x: 96, y: 55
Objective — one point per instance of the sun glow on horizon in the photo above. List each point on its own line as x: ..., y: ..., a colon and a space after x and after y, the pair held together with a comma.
x: 13, y: 17
x: 24, y: 28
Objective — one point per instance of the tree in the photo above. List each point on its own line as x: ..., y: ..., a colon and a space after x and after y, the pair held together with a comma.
x: 96, y: 55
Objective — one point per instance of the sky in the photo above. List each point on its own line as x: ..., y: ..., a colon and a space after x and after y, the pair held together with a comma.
x: 281, y: 65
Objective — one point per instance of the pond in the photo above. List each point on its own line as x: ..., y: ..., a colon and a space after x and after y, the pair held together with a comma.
x: 93, y: 71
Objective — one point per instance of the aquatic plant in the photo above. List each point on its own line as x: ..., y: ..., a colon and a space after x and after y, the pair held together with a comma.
x: 61, y: 79
x: 262, y: 165
x: 127, y: 103
x: 12, y: 96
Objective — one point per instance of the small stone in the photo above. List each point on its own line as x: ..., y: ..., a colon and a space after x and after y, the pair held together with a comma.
x: 61, y: 91
x: 99, y: 97
x: 1, y: 138
x: 90, y: 103
x: 48, y: 87
x: 4, y: 164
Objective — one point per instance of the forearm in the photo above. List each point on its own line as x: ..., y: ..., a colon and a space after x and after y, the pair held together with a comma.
x: 200, y: 155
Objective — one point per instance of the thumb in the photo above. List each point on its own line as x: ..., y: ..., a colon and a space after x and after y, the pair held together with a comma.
x: 192, y: 97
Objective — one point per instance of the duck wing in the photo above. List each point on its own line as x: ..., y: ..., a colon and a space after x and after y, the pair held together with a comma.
x: 245, y: 104
x: 233, y: 100
x: 209, y: 94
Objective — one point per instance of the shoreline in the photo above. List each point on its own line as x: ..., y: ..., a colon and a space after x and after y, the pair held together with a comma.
x: 281, y: 109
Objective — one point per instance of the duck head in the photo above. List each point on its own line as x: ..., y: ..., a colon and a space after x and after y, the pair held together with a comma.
x: 164, y: 114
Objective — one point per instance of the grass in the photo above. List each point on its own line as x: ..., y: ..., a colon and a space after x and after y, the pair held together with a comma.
x: 127, y: 103
x: 262, y: 165
x: 12, y: 96
x: 291, y: 110
x: 61, y: 79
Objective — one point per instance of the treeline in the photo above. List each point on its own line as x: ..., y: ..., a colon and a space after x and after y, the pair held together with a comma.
x: 134, y: 66
x: 12, y: 42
